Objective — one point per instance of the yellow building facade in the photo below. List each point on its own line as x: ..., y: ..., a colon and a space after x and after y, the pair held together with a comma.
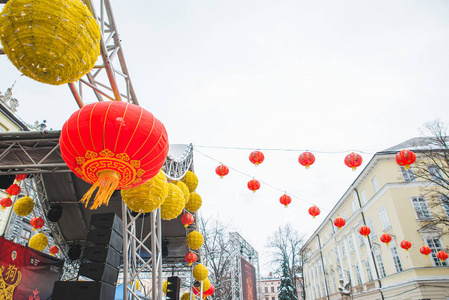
x: 388, y: 199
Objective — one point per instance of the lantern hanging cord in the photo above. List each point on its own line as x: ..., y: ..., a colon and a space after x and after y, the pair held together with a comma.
x: 287, y: 150
x: 265, y: 183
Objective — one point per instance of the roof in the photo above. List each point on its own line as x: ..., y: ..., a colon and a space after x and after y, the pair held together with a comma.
x: 416, y: 144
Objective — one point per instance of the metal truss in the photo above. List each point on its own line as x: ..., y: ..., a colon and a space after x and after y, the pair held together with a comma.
x: 110, y: 78
x: 134, y: 263
x: 175, y: 169
x: 31, y: 153
x: 241, y: 249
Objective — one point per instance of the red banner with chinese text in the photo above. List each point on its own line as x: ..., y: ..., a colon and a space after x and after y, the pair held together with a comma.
x: 249, y: 281
x: 26, y: 273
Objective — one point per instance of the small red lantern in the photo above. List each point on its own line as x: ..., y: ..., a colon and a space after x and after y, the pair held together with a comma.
x: 314, y: 211
x: 425, y: 250
x: 21, y: 177
x: 339, y: 222
x: 5, y: 202
x: 353, y: 160
x: 364, y: 230
x: 442, y: 255
x: 406, y: 245
x: 54, y: 250
x: 385, y: 238
x: 222, y: 170
x: 37, y: 223
x: 405, y: 158
x: 187, y: 219
x: 253, y: 185
x: 256, y: 157
x: 285, y: 200
x: 306, y: 159
x: 207, y: 293
x: 190, y: 258
x: 13, y: 190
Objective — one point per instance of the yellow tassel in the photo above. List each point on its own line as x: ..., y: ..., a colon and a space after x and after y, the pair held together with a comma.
x: 107, y: 182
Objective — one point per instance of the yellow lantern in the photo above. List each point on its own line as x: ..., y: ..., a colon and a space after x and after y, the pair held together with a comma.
x: 53, y: 42
x: 24, y: 206
x: 185, y: 296
x: 195, y: 240
x: 190, y: 180
x: 194, y: 203
x: 173, y: 204
x: 164, y: 286
x: 148, y: 196
x: 206, y: 284
x: 184, y: 189
x: 200, y: 273
x: 38, y: 242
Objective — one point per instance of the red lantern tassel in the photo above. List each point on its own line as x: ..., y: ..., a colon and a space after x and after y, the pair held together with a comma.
x: 107, y: 182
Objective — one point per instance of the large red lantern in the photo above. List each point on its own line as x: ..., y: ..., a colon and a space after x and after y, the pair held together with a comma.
x: 113, y: 145
x: 285, y: 200
x: 256, y: 157
x: 190, y: 258
x: 314, y: 211
x: 37, y: 223
x: 442, y: 255
x: 364, y: 230
x: 253, y: 185
x: 406, y: 245
x: 20, y: 177
x: 353, y: 160
x: 306, y: 159
x: 339, y: 222
x: 54, y: 250
x: 13, y: 190
x: 425, y: 250
x: 405, y: 158
x: 222, y: 170
x: 385, y: 238
x: 187, y: 219
x: 5, y: 202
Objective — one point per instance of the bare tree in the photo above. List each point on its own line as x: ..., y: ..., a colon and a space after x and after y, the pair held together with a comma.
x: 217, y: 256
x: 432, y: 166
x: 285, y: 246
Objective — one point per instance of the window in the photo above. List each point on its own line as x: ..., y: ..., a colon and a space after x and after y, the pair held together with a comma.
x: 348, y: 275
x: 395, y: 255
x: 380, y: 265
x: 266, y: 289
x: 334, y: 284
x: 408, y: 174
x: 435, y: 172
x: 384, y: 217
x: 326, y: 237
x: 273, y: 298
x: 343, y: 250
x: 361, y: 240
x: 363, y: 197
x: 354, y: 206
x: 435, y: 245
x: 330, y: 258
x: 375, y: 184
x: 369, y: 223
x: 357, y: 274
x: 444, y: 199
x: 368, y: 270
x: 272, y: 289
x: 351, y: 244
x: 421, y: 209
x: 344, y: 215
x: 337, y: 255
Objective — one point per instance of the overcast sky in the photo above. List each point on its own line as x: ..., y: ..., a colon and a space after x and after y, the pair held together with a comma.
x: 318, y: 75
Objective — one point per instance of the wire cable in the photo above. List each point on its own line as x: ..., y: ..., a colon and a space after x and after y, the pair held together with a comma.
x: 280, y: 149
x: 265, y: 183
